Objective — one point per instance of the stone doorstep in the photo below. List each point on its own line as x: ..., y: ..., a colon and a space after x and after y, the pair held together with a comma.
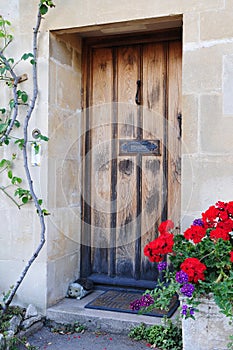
x: 72, y: 310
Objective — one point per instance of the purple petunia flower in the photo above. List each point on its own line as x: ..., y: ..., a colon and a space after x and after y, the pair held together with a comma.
x: 135, y: 305
x: 198, y: 222
x: 181, y: 277
x: 146, y: 300
x: 184, y: 309
x: 162, y: 265
x: 187, y: 289
x: 192, y: 311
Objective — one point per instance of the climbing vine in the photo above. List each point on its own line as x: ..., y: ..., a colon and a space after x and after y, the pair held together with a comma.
x: 14, y: 123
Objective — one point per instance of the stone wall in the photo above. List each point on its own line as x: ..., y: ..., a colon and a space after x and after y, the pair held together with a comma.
x: 207, y: 153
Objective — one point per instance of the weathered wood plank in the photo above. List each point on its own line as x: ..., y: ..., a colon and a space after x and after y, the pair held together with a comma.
x: 128, y: 71
x: 100, y: 157
x: 154, y: 83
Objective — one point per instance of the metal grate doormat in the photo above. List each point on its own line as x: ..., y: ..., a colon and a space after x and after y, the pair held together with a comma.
x: 118, y: 300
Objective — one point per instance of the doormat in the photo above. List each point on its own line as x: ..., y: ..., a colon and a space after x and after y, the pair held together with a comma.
x: 118, y: 300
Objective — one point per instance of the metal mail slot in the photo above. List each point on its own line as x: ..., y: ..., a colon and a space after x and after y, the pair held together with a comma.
x: 144, y: 147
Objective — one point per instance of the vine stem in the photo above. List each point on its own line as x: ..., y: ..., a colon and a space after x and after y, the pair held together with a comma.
x: 27, y: 171
x: 9, y: 196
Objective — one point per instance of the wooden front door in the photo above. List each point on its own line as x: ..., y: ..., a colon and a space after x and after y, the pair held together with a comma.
x: 131, y: 182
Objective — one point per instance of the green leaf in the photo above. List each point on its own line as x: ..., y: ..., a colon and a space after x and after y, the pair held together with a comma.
x: 36, y: 147
x: 5, y: 162
x: 7, y: 141
x: 45, y: 212
x: 12, y: 103
x: 11, y: 60
x: 3, y: 127
x: 40, y: 201
x: 24, y: 200
x: 16, y: 180
x: 42, y: 137
x: 43, y: 9
x: 24, y: 97
x: 3, y: 110
x: 10, y: 175
x: 26, y: 56
x: 17, y: 123
x: 20, y: 143
x: 32, y: 61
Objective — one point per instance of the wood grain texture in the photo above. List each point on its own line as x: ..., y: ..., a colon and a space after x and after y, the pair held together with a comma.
x: 128, y: 71
x: 100, y: 157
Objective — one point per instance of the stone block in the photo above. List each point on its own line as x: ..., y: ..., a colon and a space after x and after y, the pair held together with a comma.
x: 209, y: 331
x: 92, y: 13
x: 215, y: 129
x: 191, y: 27
x: 60, y: 273
x: 204, y: 182
x: 68, y: 99
x: 202, y: 70
x: 227, y: 84
x: 65, y: 134
x: 60, y: 51
x: 216, y: 25
x: 190, y: 118
x: 52, y: 82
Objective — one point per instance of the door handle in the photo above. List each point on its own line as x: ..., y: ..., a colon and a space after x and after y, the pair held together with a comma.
x: 179, y: 119
x: 137, y: 100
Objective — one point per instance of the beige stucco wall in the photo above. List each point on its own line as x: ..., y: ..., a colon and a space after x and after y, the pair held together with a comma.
x: 207, y: 153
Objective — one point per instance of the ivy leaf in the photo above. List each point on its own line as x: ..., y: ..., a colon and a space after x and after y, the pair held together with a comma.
x: 3, y: 127
x: 3, y: 110
x: 12, y: 103
x: 9, y: 174
x: 11, y: 60
x: 24, y: 96
x: 16, y: 180
x: 45, y: 212
x: 40, y: 201
x: 7, y: 141
x: 36, y: 147
x: 20, y: 143
x: 5, y: 162
x: 26, y: 56
x: 43, y: 9
x: 42, y: 137
x: 24, y: 199
x: 32, y: 61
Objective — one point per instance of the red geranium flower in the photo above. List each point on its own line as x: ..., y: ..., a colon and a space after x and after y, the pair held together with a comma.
x: 159, y: 247
x: 230, y: 208
x: 209, y: 217
x: 165, y: 226
x: 194, y: 269
x: 226, y: 225
x: 195, y: 233
x: 219, y: 233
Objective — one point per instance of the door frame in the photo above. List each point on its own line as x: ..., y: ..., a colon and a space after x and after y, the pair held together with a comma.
x: 174, y: 34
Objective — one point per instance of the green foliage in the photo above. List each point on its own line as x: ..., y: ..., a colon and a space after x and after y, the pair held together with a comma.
x: 165, y: 337
x: 44, y: 6
x: 68, y: 328
x: 23, y: 194
x: 230, y: 344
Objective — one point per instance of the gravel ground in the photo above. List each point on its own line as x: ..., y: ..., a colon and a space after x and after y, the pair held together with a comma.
x: 47, y: 340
